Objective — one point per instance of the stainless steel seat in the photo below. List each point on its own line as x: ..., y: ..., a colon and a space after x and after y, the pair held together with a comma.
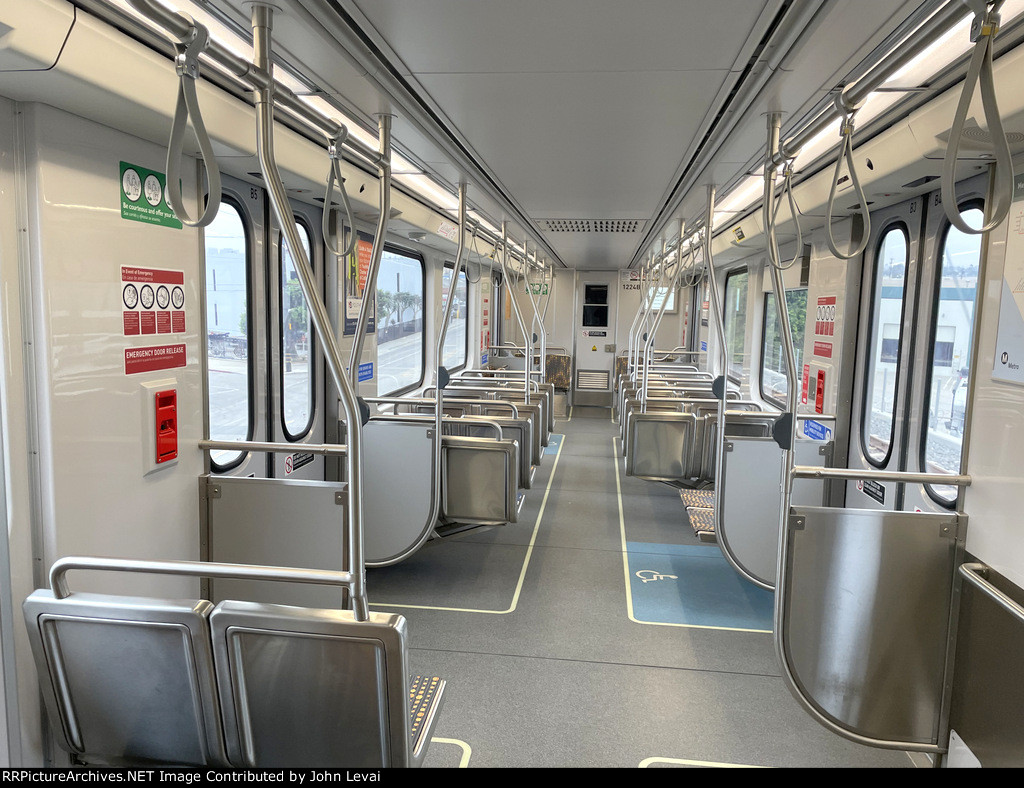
x: 313, y: 688
x: 131, y: 681
x: 127, y: 680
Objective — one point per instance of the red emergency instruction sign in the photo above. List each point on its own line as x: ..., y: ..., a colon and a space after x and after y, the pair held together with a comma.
x: 152, y: 275
x: 151, y: 359
x: 153, y: 301
x: 825, y: 317
x: 823, y: 349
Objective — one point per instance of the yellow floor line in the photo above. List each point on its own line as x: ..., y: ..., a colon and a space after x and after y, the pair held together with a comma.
x: 706, y: 764
x: 526, y: 560
x: 467, y: 751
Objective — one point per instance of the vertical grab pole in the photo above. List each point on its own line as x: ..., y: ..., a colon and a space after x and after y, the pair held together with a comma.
x: 634, y: 327
x: 510, y: 291
x: 262, y: 25
x: 781, y: 437
x: 649, y: 342
x: 370, y: 293
x: 442, y: 334
x: 786, y: 432
x: 541, y: 317
x: 652, y: 291
x: 719, y: 321
x: 536, y: 318
x: 716, y: 296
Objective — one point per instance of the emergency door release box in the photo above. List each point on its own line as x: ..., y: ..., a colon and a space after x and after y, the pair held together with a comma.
x: 166, y: 426
x: 158, y: 442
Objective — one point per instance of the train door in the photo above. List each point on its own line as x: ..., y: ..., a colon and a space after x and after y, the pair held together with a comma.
x: 917, y: 322
x: 264, y: 377
x: 887, y: 318
x: 945, y: 338
x: 296, y: 380
x: 237, y: 341
x: 595, y: 338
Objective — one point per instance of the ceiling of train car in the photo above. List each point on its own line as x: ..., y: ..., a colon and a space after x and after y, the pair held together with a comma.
x: 583, y: 109
x: 587, y: 112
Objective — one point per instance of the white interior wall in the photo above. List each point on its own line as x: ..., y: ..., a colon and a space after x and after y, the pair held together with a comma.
x: 996, y: 449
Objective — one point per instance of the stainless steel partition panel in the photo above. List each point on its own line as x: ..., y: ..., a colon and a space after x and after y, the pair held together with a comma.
x: 275, y: 522
x: 659, y: 446
x: 398, y: 466
x: 480, y: 481
x: 748, y: 525
x: 987, y: 709
x: 865, y: 619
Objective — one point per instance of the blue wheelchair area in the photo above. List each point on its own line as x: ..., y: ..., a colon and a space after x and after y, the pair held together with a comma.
x: 693, y: 585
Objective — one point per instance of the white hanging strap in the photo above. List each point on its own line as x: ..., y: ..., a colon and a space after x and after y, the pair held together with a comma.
x: 187, y: 66
x: 980, y: 73
x: 846, y: 154
x: 794, y: 209
x: 334, y: 151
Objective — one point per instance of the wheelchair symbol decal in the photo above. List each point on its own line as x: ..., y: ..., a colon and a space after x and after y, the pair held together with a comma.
x: 649, y: 575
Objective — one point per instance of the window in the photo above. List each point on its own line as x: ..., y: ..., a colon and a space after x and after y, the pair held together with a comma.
x: 229, y: 372
x: 297, y: 395
x: 773, y: 358
x: 400, y: 337
x: 952, y: 334
x: 595, y: 306
x: 735, y: 321
x: 456, y: 341
x: 884, y: 346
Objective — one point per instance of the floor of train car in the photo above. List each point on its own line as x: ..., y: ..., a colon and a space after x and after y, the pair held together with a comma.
x: 598, y: 632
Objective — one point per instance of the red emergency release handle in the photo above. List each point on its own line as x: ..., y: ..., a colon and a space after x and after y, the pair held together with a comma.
x: 166, y: 426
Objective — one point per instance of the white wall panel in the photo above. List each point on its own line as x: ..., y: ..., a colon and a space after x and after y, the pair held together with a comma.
x: 996, y: 454
x: 96, y: 499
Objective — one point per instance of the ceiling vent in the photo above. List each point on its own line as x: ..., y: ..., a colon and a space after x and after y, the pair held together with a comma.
x: 592, y: 225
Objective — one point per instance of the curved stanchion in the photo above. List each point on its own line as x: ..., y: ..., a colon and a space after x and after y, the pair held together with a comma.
x: 716, y: 308
x: 262, y: 19
x: 511, y: 292
x: 980, y: 74
x: 377, y: 251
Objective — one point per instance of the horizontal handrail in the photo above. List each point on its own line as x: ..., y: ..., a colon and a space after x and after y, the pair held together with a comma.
x: 489, y: 403
x: 285, y: 574
x: 325, y: 449
x: 972, y: 573
x: 496, y: 373
x: 482, y: 384
x: 902, y: 477
x: 180, y: 26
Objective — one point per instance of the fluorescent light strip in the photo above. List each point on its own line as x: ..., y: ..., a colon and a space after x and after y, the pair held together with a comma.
x: 937, y: 57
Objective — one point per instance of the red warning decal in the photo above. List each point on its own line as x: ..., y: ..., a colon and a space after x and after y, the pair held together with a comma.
x: 150, y: 359
x: 825, y: 317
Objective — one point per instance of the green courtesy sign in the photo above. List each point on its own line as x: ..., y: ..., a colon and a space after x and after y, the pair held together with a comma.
x: 144, y: 197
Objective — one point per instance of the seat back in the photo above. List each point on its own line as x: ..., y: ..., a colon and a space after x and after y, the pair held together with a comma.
x: 480, y: 481
x: 138, y: 681
x: 127, y: 680
x: 337, y: 686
